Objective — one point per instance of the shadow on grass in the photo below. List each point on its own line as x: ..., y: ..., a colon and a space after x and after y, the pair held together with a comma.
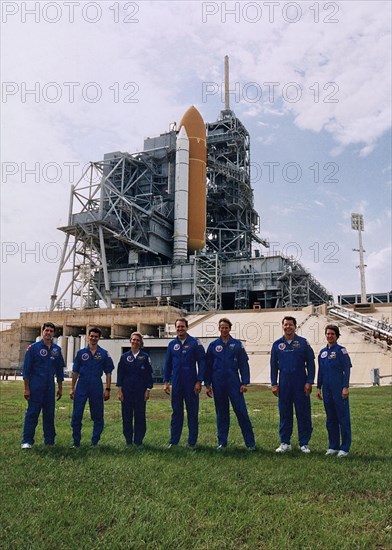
x: 160, y: 450
x: 182, y: 451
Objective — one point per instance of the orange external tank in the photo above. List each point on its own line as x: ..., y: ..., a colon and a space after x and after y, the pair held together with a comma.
x: 197, y: 205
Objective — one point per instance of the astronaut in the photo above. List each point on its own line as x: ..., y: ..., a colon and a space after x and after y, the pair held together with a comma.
x: 43, y: 361
x: 292, y: 359
x: 183, y: 353
x: 134, y: 381
x: 333, y: 381
x: 227, y: 376
x: 89, y: 365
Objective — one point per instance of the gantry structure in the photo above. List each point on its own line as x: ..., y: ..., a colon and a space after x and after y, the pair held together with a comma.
x: 232, y: 222
x: 120, y: 214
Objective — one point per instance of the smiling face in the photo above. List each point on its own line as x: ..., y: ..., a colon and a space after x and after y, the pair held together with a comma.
x: 181, y: 329
x: 330, y: 336
x: 93, y: 339
x: 288, y: 329
x: 47, y: 334
x: 224, y: 329
x: 136, y: 342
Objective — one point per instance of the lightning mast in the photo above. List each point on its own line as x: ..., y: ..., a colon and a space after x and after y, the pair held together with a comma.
x: 227, y: 79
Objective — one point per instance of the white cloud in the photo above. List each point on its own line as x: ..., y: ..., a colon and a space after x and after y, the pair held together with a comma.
x: 344, y: 80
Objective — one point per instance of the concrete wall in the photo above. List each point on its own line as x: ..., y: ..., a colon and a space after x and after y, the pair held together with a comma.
x: 259, y: 329
x: 115, y: 323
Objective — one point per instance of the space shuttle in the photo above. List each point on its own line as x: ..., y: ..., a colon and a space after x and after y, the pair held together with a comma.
x: 190, y: 186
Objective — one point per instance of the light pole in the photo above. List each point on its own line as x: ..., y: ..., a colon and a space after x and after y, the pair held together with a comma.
x: 358, y: 225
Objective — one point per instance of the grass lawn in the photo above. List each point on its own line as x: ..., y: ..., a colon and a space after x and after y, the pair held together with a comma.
x: 117, y: 497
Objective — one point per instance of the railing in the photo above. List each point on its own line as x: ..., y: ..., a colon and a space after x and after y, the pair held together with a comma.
x: 364, y: 321
x: 163, y: 302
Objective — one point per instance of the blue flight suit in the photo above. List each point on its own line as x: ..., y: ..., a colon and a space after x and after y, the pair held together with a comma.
x: 294, y: 362
x: 89, y: 386
x: 134, y: 376
x: 334, y: 375
x: 225, y: 362
x: 180, y: 367
x: 41, y: 364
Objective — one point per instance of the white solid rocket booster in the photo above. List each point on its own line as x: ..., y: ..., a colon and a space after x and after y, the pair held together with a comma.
x: 71, y: 352
x: 180, y: 245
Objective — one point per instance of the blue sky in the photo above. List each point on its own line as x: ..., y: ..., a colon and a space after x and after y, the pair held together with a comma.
x: 107, y: 74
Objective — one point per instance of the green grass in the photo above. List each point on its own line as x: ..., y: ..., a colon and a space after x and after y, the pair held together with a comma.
x: 116, y: 497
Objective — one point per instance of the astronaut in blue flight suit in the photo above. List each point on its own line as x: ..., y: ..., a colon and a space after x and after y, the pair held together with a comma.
x: 134, y: 381
x: 333, y: 381
x: 89, y: 365
x: 183, y: 353
x: 292, y: 359
x: 43, y: 361
x: 227, y: 376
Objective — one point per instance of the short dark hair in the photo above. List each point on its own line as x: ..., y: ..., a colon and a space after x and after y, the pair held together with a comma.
x: 225, y: 320
x: 50, y: 325
x: 183, y: 320
x: 95, y: 329
x: 289, y: 318
x: 334, y: 328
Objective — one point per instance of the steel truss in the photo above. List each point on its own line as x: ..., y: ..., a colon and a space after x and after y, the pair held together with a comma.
x: 118, y: 207
x: 207, y: 282
x: 232, y: 222
x: 299, y: 288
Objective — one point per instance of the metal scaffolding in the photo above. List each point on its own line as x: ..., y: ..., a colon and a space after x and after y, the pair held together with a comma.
x: 232, y: 222
x: 299, y: 288
x: 120, y: 213
x: 207, y: 282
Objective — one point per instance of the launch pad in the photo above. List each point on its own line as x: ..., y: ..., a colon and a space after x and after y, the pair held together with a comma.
x: 176, y: 223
